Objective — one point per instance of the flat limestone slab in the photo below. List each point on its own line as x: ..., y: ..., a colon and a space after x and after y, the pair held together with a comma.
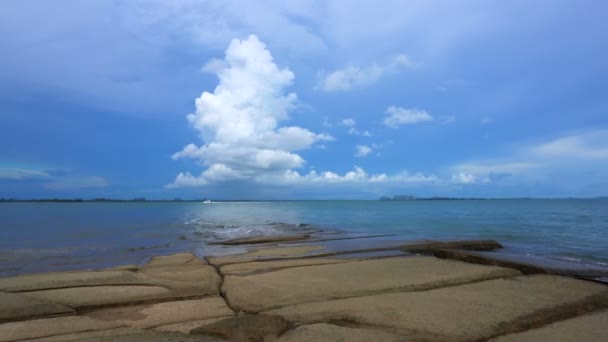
x: 147, y: 316
x: 15, y: 307
x: 179, y: 259
x: 54, y: 280
x: 264, y: 291
x: 475, y: 311
x: 129, y: 335
x: 589, y: 328
x: 186, y: 327
x: 265, y: 253
x: 322, y: 332
x: 201, y: 279
x: 248, y: 267
x: 50, y: 327
x: 81, y: 297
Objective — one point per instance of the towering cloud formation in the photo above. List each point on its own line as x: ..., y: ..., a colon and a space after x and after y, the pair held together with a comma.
x: 239, y: 121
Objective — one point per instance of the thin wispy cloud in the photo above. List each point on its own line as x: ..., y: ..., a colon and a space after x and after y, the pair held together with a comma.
x: 398, y: 116
x: 352, y: 76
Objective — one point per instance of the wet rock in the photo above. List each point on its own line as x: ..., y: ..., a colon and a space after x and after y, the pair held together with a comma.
x: 469, y: 245
x: 526, y: 265
x: 246, y: 328
x: 263, y: 239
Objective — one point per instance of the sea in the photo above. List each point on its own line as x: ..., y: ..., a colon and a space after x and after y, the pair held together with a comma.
x: 40, y: 237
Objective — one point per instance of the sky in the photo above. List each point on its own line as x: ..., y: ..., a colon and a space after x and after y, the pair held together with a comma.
x: 303, y: 99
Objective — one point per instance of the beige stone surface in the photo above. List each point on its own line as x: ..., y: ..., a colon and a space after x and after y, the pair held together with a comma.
x: 199, y: 279
x: 467, y: 312
x: 146, y: 316
x: 261, y: 253
x: 253, y: 266
x: 55, y: 280
x: 50, y: 327
x: 89, y: 335
x: 179, y: 259
x: 588, y: 328
x: 246, y: 328
x: 322, y: 332
x: 79, y: 297
x: 129, y: 335
x: 15, y: 307
x: 186, y: 327
x: 264, y: 291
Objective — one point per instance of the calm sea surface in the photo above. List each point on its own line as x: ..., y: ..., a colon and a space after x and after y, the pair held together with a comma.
x: 60, y: 236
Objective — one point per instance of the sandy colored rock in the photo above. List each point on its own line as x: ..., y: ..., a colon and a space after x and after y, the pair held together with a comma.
x: 322, y: 332
x: 264, y: 291
x: 146, y: 316
x: 186, y: 327
x: 588, y: 328
x: 201, y: 279
x: 15, y: 307
x: 50, y: 327
x: 130, y: 335
x: 467, y: 312
x: 80, y: 297
x: 265, y: 253
x: 245, y: 328
x: 253, y: 266
x: 179, y: 259
x: 89, y: 335
x: 57, y: 280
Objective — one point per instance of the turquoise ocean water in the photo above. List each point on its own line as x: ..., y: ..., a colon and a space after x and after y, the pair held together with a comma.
x: 38, y: 237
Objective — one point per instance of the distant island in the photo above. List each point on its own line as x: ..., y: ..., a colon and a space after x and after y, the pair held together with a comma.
x: 76, y: 200
x: 436, y: 198
x: 441, y: 198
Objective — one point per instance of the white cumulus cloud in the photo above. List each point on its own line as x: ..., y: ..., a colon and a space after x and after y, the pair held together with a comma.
x: 363, y: 150
x: 239, y: 121
x: 400, y: 116
x: 348, y: 122
x: 353, y: 76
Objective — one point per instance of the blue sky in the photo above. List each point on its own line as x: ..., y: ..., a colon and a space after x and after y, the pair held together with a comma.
x: 305, y: 99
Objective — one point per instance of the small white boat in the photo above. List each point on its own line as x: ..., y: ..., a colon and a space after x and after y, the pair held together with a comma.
x: 207, y: 201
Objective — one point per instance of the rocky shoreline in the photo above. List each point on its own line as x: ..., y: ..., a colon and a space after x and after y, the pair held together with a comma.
x: 308, y: 287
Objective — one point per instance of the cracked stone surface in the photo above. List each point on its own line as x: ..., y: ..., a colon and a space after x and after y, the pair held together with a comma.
x: 152, y: 315
x: 466, y: 312
x: 264, y: 291
x: 363, y: 293
x: 15, y: 307
x: 588, y: 328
